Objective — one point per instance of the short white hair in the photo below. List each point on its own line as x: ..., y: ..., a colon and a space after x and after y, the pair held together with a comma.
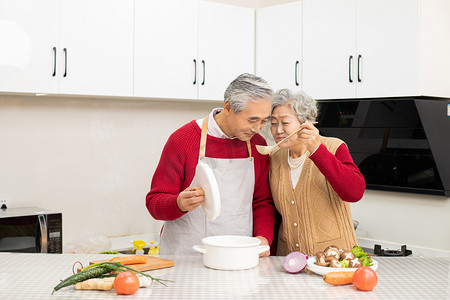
x: 304, y: 106
x: 247, y: 87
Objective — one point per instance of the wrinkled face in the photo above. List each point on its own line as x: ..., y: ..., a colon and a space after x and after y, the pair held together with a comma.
x: 248, y: 122
x: 282, y: 123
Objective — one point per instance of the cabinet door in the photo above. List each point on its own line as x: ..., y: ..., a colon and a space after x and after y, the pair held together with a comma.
x: 226, y: 46
x: 388, y: 44
x: 329, y: 48
x: 27, y: 38
x: 279, y: 45
x: 98, y: 38
x: 166, y: 43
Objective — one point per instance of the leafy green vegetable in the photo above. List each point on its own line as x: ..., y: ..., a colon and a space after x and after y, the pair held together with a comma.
x: 366, y: 260
x: 358, y: 251
x: 344, y: 263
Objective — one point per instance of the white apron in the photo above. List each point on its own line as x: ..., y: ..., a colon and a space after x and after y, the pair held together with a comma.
x: 236, y: 181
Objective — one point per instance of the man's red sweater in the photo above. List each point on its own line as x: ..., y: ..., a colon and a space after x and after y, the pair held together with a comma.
x: 176, y: 169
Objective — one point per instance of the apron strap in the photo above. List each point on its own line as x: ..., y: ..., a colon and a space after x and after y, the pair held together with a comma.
x: 204, y: 134
x: 202, y: 152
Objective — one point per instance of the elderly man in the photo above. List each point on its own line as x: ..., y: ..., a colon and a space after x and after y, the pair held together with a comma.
x: 228, y: 147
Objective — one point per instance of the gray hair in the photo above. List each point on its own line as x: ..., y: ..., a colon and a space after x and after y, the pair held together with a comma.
x: 304, y: 107
x: 247, y: 87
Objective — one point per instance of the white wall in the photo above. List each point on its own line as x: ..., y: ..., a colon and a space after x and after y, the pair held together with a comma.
x: 93, y: 159
x: 404, y: 218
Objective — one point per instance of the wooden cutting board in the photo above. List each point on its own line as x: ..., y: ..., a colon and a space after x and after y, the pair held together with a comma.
x: 153, y: 263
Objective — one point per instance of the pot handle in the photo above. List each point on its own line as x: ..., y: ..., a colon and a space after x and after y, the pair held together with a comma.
x: 263, y: 248
x: 199, y: 248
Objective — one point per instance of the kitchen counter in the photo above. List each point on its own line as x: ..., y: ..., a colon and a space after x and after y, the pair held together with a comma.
x: 33, y: 276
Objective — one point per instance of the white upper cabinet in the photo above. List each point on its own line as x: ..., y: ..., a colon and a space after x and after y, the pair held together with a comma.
x: 82, y: 47
x: 226, y: 47
x: 96, y: 47
x: 375, y: 48
x: 387, y: 48
x: 190, y: 49
x: 279, y: 45
x: 166, y: 43
x: 329, y: 48
x: 28, y: 45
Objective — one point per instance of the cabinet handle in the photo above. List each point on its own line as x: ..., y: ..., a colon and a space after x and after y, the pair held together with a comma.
x: 359, y: 63
x: 195, y: 71
x: 296, y: 72
x: 54, y: 61
x: 65, y: 62
x: 350, y: 68
x: 203, y: 63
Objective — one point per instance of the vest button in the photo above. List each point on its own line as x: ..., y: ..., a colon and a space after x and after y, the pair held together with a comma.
x: 295, y: 224
x: 292, y: 202
x: 297, y: 245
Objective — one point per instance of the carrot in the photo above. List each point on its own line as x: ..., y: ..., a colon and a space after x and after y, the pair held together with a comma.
x: 339, y: 278
x: 130, y: 259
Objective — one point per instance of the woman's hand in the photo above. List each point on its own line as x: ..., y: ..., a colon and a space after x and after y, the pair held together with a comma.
x: 190, y: 198
x: 309, y: 135
x: 264, y: 241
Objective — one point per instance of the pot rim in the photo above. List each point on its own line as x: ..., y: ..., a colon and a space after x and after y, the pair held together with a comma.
x: 218, y: 241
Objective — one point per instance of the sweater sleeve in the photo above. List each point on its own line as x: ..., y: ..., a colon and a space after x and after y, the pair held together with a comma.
x: 341, y: 172
x: 263, y: 207
x: 168, y: 181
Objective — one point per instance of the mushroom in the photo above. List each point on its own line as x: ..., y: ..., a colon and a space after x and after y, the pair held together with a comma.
x: 335, y: 264
x: 332, y: 251
x: 348, y: 255
x: 329, y: 258
x: 320, y: 257
x: 331, y: 247
x: 325, y: 264
x: 355, y: 263
x: 320, y: 260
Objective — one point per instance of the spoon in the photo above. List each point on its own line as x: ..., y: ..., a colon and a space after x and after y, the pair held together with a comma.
x: 264, y: 150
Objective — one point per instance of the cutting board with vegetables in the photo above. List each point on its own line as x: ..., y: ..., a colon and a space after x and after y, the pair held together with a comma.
x: 153, y: 263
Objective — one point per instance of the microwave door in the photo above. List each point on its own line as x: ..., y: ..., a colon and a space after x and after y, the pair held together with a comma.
x: 41, y: 234
x: 18, y: 234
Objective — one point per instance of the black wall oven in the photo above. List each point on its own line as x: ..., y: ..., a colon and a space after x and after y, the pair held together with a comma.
x: 399, y: 144
x: 30, y: 230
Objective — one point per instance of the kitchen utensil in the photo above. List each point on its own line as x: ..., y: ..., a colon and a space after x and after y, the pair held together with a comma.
x: 264, y: 150
x: 230, y: 252
x: 153, y: 263
x: 204, y: 178
x: 311, y: 265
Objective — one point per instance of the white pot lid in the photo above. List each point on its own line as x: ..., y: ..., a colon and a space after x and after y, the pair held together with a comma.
x: 204, y: 178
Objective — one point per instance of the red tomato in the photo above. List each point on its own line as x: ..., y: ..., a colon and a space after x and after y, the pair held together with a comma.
x: 126, y: 283
x: 365, y: 279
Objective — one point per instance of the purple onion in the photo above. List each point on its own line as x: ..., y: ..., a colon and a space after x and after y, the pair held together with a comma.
x: 295, y: 262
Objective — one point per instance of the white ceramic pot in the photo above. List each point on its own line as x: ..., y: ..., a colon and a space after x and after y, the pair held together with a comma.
x: 230, y: 252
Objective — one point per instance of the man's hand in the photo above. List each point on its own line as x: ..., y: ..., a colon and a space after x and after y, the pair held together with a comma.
x: 190, y: 198
x: 264, y: 241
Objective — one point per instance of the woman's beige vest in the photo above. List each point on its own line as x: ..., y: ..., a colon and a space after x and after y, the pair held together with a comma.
x: 313, y: 215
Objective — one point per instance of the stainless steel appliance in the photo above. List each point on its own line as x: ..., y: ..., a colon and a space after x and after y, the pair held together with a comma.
x: 30, y: 230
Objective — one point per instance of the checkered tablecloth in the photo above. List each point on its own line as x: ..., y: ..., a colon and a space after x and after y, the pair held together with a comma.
x: 33, y: 276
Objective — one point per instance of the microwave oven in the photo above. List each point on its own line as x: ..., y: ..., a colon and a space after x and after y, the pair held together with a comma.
x: 30, y: 230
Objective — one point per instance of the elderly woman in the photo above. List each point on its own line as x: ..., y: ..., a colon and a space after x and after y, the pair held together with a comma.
x: 312, y: 179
